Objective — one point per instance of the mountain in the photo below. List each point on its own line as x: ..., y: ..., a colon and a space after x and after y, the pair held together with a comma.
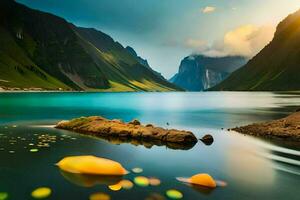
x: 198, y: 72
x: 140, y: 59
x: 276, y: 67
x: 143, y: 61
x: 41, y: 50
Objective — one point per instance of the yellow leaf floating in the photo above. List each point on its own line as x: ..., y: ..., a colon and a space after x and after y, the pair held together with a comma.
x: 41, y: 193
x: 115, y: 187
x: 204, y: 180
x: 200, y: 179
x: 91, y: 165
x: 174, y: 194
x: 99, y: 196
x: 141, y: 181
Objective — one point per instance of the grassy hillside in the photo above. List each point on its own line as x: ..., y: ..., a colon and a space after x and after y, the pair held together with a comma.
x: 42, y: 50
x: 276, y: 67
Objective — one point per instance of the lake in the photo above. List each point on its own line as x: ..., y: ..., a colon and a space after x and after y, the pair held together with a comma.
x: 252, y: 168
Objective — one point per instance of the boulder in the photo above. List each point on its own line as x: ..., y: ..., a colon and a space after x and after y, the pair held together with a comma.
x: 135, y: 122
x: 207, y: 139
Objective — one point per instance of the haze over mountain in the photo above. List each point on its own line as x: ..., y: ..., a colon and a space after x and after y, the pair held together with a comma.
x: 276, y: 67
x: 198, y: 72
x: 42, y: 50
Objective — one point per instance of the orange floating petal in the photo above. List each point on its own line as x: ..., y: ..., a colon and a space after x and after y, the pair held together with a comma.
x: 91, y: 165
x: 203, y: 180
x: 154, y: 181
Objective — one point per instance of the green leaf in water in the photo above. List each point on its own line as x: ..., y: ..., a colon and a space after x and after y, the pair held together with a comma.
x: 33, y: 150
x: 174, y: 194
x: 3, y: 195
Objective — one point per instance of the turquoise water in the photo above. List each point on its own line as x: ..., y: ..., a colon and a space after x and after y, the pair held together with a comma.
x: 252, y: 168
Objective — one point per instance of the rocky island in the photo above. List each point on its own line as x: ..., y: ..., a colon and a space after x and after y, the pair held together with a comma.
x: 287, y: 128
x: 133, y: 132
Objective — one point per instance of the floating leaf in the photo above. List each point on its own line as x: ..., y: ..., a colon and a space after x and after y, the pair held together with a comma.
x: 200, y: 179
x: 41, y: 193
x: 115, y: 187
x: 33, y: 150
x: 99, y: 196
x: 126, y: 184
x: 91, y: 165
x: 174, y: 194
x: 154, y: 181
x: 3, y: 195
x: 203, y: 180
x: 137, y: 170
x: 141, y: 181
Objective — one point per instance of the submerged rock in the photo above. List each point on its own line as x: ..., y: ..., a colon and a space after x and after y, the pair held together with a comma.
x: 102, y: 127
x: 207, y: 139
x: 287, y: 128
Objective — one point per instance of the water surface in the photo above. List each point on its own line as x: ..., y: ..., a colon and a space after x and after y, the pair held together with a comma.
x: 252, y: 167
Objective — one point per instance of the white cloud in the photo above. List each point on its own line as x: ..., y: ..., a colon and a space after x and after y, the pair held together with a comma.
x: 245, y: 40
x: 209, y: 9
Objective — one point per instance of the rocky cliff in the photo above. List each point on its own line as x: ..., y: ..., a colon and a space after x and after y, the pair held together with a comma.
x: 198, y: 72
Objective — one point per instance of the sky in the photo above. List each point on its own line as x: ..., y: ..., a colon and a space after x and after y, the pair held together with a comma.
x: 166, y: 31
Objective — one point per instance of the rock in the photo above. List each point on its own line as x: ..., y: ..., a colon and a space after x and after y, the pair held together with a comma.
x: 207, y: 139
x: 135, y: 122
x: 104, y: 128
x: 286, y: 128
x: 149, y: 125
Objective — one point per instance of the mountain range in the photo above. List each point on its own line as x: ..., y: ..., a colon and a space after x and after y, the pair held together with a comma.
x: 199, y: 72
x: 41, y: 50
x: 274, y: 68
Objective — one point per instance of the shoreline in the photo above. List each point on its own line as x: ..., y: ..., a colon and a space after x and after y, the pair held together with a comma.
x: 287, y: 128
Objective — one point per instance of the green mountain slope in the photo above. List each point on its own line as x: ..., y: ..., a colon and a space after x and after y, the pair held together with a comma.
x: 42, y: 50
x: 276, y: 67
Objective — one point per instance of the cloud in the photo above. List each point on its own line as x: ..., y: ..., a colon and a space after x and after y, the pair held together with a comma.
x: 245, y: 40
x: 209, y: 9
x: 196, y: 45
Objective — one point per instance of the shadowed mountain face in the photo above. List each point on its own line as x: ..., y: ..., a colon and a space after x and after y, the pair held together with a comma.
x: 198, y: 73
x: 276, y: 67
x: 143, y: 61
x: 42, y: 50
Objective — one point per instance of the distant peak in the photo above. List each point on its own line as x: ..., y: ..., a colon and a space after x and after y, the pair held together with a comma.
x: 131, y: 51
